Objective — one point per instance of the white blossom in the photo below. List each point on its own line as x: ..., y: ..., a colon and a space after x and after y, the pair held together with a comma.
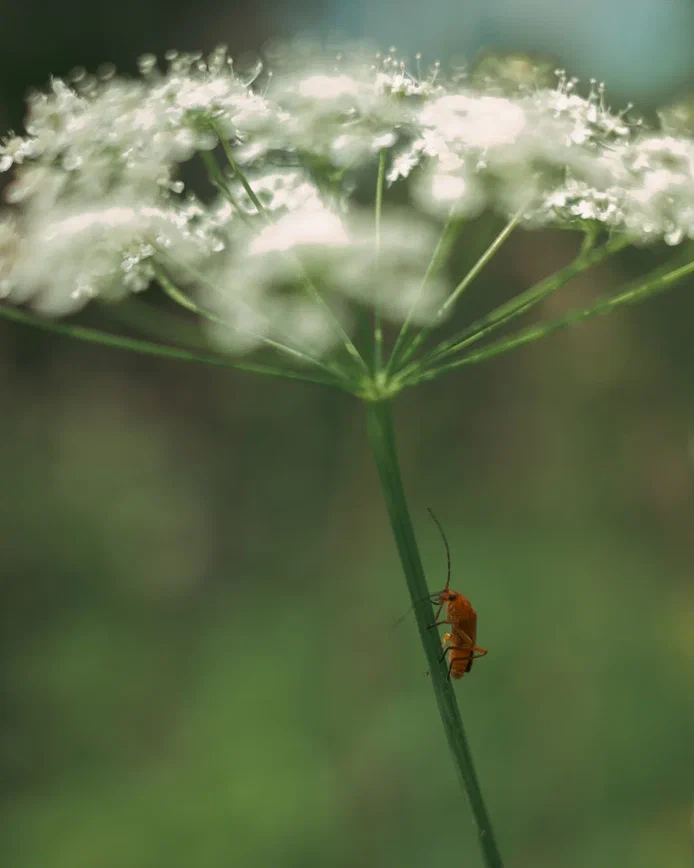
x: 659, y: 189
x: 96, y: 201
x: 344, y: 111
x: 278, y: 189
x: 277, y: 269
x: 105, y: 250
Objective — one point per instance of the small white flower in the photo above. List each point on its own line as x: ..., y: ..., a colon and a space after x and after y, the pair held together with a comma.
x: 313, y: 228
x: 473, y: 123
x: 344, y: 111
x: 13, y: 151
x: 329, y: 88
x: 99, y: 202
x: 278, y: 190
x: 105, y: 250
x: 276, y: 271
x: 579, y: 201
x: 659, y: 189
x: 451, y: 191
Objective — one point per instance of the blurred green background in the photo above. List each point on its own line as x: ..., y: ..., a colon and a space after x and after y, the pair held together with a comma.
x: 199, y: 586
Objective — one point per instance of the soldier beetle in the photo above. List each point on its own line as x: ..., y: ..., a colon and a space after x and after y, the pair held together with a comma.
x: 462, y: 619
x: 460, y: 616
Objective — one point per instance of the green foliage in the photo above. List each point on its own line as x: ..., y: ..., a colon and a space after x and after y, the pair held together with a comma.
x: 200, y: 666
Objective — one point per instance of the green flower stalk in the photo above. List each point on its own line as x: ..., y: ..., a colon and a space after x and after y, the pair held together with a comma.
x: 279, y: 254
x: 382, y: 439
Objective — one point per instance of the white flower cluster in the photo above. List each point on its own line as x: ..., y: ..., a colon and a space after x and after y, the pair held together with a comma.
x: 96, y: 202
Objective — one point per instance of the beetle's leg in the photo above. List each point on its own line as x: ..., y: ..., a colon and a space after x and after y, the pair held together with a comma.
x: 463, y: 638
x: 437, y: 624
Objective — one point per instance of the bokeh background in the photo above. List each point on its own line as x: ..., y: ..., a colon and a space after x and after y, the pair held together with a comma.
x: 197, y: 583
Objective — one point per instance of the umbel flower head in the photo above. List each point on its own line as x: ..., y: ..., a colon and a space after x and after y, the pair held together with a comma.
x: 282, y: 245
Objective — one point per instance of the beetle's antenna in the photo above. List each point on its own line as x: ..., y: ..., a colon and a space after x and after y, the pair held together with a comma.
x: 411, y: 609
x: 448, y: 577
x: 445, y: 542
x: 402, y: 618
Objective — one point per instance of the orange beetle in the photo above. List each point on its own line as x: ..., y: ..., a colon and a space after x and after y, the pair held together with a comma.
x: 461, y: 617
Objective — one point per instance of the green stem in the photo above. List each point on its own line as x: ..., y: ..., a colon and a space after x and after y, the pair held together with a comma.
x: 233, y: 165
x: 181, y: 299
x: 443, y: 248
x: 463, y: 285
x: 519, y: 305
x: 378, y: 327
x: 308, y: 283
x: 480, y: 264
x: 177, y: 295
x: 95, y: 336
x: 590, y: 237
x: 155, y: 322
x: 632, y: 295
x: 382, y: 439
x: 217, y: 179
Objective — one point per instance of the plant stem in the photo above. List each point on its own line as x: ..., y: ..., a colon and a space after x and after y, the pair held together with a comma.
x: 480, y: 264
x: 308, y: 283
x: 523, y: 302
x: 633, y: 294
x: 217, y: 178
x: 443, y: 247
x: 463, y: 285
x: 224, y: 142
x: 180, y: 297
x: 134, y: 345
x: 382, y: 439
x: 378, y: 327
